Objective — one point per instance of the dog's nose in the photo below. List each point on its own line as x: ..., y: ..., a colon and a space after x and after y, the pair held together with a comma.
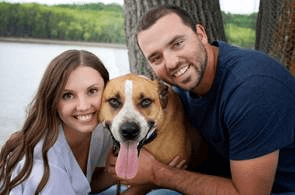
x: 129, y: 130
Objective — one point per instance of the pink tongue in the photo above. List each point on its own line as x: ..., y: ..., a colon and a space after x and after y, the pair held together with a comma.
x: 127, y: 161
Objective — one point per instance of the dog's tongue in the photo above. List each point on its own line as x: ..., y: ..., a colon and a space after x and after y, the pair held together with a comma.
x: 127, y: 161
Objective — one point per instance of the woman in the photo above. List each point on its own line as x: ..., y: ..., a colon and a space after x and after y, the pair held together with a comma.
x: 60, y: 149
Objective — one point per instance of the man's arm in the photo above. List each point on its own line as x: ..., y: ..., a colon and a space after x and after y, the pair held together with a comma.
x: 249, y: 177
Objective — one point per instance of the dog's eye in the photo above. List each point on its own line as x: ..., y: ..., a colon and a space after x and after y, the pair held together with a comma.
x: 146, y: 102
x: 115, y: 103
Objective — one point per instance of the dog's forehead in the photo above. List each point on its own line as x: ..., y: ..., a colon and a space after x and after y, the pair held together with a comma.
x: 137, y: 84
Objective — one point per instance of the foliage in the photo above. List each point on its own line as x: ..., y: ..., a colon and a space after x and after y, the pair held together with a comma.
x: 240, y: 29
x: 240, y: 36
x: 95, y: 22
x: 94, y: 7
x: 89, y: 22
x: 245, y: 21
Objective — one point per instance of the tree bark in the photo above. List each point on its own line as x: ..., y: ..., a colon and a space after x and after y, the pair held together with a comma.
x: 269, y: 10
x: 276, y: 31
x: 206, y: 12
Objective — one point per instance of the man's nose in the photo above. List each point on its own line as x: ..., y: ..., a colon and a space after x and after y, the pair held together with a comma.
x: 171, y: 61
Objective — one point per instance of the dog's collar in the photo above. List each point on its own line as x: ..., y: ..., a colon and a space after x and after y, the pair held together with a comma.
x: 150, y: 136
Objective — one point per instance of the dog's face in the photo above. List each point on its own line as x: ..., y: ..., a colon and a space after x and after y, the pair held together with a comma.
x: 132, y: 108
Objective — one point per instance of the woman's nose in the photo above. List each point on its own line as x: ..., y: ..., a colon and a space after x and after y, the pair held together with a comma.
x: 83, y: 103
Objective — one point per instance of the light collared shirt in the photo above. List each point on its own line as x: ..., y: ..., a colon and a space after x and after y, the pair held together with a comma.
x: 66, y: 176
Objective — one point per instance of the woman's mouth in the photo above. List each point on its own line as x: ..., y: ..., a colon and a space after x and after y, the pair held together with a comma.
x: 84, y: 117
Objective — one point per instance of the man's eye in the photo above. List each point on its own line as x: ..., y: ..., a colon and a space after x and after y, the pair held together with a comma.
x: 156, y: 59
x: 115, y: 103
x: 67, y: 96
x: 146, y: 102
x: 178, y: 44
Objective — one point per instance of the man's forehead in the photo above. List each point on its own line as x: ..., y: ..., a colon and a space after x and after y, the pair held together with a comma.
x: 152, y: 36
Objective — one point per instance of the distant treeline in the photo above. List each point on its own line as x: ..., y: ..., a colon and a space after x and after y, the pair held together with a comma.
x: 240, y: 29
x: 95, y: 22
x: 87, y: 22
x: 240, y: 20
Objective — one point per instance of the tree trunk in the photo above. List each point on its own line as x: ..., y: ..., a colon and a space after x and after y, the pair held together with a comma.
x: 269, y: 10
x: 206, y: 12
x: 275, y: 33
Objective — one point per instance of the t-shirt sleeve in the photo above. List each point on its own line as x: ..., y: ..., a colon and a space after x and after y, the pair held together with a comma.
x: 259, y: 116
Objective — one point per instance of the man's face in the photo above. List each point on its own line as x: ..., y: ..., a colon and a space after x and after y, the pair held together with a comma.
x: 175, y: 52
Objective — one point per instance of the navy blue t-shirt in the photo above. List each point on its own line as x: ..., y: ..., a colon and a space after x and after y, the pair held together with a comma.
x: 249, y: 111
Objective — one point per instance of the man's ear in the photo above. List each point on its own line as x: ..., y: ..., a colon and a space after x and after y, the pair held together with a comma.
x: 201, y: 33
x: 163, y: 93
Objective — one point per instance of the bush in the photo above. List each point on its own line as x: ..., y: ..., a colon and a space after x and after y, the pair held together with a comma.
x: 98, y: 24
x: 239, y: 36
x: 240, y: 30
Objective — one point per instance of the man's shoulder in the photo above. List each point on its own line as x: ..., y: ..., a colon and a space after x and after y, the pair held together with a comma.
x: 242, y: 64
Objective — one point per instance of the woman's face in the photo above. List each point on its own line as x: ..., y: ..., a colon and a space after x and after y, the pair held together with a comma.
x: 81, y: 99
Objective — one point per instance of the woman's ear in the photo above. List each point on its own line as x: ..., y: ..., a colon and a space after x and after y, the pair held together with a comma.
x: 201, y: 33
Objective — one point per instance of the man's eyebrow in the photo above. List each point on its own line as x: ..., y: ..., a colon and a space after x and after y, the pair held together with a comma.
x: 174, y: 39
x: 168, y: 44
x: 152, y: 55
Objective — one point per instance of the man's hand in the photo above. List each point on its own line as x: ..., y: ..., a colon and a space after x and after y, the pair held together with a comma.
x: 143, y: 182
x: 148, y: 166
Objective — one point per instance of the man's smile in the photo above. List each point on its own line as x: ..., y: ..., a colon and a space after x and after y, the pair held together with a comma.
x: 183, y: 69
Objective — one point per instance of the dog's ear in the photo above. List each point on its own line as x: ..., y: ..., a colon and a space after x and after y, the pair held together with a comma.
x: 163, y: 93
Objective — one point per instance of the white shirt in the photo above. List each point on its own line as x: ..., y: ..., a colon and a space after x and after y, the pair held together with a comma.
x: 66, y: 176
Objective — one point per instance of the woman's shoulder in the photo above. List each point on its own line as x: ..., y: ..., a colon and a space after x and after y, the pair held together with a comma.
x: 100, y: 145
x: 102, y: 135
x: 57, y: 155
x: 64, y: 175
x: 59, y: 181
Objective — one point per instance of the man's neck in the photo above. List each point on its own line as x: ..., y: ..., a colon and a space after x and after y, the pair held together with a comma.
x: 210, y: 72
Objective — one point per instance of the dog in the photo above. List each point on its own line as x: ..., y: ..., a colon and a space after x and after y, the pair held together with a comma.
x: 140, y: 112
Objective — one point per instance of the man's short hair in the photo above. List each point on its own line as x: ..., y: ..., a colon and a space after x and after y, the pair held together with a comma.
x: 155, y: 14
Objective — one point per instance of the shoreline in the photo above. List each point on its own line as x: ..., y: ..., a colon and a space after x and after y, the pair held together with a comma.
x: 61, y: 42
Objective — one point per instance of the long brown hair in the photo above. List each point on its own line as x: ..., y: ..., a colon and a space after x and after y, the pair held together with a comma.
x: 42, y: 119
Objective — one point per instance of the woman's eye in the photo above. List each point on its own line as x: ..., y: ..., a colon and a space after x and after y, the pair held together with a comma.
x: 67, y: 96
x: 146, y: 102
x: 93, y: 91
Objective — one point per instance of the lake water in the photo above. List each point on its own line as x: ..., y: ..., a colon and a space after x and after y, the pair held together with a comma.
x: 21, y: 69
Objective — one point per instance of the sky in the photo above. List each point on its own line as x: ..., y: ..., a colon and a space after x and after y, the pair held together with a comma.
x: 232, y: 6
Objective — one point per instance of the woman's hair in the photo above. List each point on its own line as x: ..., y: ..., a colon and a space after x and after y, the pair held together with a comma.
x: 42, y: 119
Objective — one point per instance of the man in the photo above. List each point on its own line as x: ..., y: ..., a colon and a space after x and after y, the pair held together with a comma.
x: 242, y: 101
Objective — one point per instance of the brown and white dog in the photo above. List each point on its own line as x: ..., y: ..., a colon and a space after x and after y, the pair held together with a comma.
x: 142, y: 112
